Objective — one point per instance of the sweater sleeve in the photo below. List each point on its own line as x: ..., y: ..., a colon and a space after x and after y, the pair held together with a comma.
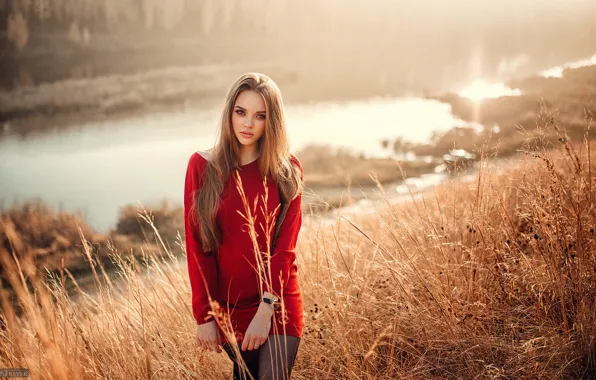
x: 202, y: 268
x: 284, y: 252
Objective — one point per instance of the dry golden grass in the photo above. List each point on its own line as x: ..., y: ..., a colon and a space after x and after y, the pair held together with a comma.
x: 494, y: 278
x: 49, y: 238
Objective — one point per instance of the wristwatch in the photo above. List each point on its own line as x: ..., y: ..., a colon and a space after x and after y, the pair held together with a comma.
x: 273, y: 302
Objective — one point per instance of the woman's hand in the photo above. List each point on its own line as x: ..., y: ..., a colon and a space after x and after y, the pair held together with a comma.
x: 258, y: 330
x: 208, y: 337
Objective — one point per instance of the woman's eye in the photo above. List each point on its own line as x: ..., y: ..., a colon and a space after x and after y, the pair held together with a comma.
x: 240, y: 112
x: 262, y: 117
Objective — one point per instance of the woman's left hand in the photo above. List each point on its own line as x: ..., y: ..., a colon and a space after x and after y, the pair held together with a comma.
x: 258, y: 330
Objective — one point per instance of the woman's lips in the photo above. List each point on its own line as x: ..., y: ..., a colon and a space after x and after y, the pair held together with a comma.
x: 246, y: 134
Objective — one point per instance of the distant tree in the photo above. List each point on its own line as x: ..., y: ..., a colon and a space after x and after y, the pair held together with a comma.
x: 401, y: 146
x: 86, y: 36
x: 397, y: 145
x: 74, y: 34
x: 41, y: 9
x: 385, y: 143
x: 17, y: 30
x: 458, y: 138
x: 148, y: 7
x: 172, y: 13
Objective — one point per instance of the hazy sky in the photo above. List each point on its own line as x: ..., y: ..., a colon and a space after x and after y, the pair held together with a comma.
x: 414, y: 43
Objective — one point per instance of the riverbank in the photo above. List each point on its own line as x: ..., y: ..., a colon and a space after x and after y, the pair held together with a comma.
x: 509, y: 121
x: 74, y: 102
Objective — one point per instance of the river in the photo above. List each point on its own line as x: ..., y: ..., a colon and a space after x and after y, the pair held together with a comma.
x: 98, y: 167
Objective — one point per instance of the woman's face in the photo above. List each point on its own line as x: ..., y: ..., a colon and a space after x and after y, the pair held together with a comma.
x: 248, y: 117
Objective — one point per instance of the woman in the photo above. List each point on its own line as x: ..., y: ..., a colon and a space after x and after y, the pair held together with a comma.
x: 242, y: 213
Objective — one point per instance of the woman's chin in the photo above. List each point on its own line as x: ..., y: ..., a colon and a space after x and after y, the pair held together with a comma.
x: 245, y: 141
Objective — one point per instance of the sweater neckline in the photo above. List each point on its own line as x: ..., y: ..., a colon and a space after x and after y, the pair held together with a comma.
x: 250, y: 163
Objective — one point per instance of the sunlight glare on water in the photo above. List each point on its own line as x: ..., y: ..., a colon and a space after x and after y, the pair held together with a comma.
x: 480, y: 89
x: 361, y: 125
x: 557, y: 72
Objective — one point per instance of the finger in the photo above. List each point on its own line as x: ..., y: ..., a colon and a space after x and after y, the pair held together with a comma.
x: 204, y: 345
x: 244, y: 343
x: 249, y: 342
x: 259, y: 342
x: 217, y: 341
x: 218, y: 337
x: 213, y: 345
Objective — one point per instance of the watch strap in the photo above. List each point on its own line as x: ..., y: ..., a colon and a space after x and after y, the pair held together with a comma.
x: 273, y: 303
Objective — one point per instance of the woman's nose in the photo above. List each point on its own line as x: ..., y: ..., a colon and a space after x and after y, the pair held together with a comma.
x: 248, y: 121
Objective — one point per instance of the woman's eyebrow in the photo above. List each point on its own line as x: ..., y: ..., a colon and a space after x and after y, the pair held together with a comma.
x: 244, y: 109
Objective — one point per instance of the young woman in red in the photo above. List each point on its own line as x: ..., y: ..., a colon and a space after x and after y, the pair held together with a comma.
x: 245, y: 292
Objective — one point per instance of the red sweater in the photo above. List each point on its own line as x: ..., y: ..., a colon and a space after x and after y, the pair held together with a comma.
x: 231, y: 278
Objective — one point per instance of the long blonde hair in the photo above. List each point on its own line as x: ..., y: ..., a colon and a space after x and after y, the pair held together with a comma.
x: 275, y: 159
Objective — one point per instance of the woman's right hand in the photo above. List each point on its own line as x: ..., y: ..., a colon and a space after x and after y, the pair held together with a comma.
x: 208, y: 337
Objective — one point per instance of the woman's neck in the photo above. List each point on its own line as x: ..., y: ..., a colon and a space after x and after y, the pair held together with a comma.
x: 248, y: 155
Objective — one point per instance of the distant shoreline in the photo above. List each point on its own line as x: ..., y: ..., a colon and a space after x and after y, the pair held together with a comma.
x: 75, y: 101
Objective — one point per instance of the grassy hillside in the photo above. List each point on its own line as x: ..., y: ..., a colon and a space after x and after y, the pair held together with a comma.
x: 494, y: 278
x: 570, y: 100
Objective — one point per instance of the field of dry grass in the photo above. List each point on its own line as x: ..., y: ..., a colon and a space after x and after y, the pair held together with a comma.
x: 494, y: 278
